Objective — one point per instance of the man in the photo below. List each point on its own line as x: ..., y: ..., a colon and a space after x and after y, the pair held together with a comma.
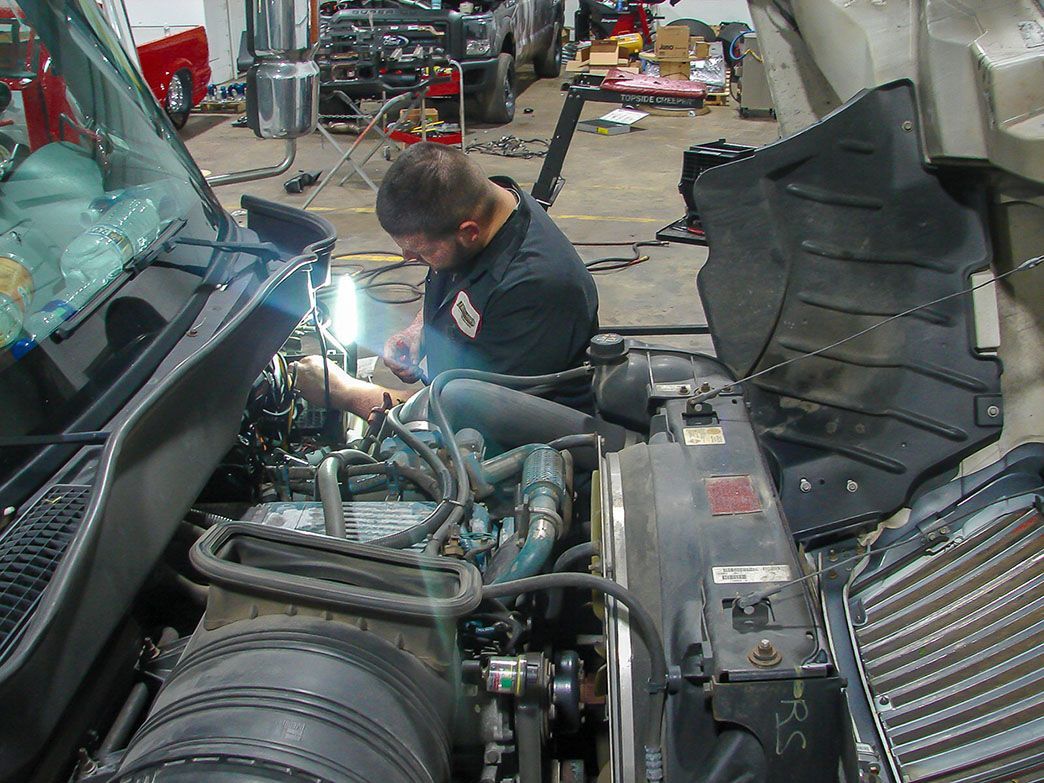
x: 506, y: 292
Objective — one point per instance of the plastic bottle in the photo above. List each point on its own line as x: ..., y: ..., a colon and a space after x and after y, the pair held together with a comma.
x: 98, y: 254
x: 16, y: 294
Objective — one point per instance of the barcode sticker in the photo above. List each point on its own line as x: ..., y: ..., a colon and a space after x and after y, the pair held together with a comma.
x: 745, y: 575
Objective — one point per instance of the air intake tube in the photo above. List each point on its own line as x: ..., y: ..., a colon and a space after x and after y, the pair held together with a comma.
x: 279, y: 698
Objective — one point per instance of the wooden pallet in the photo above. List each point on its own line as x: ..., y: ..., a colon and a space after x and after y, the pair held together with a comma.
x: 223, y: 107
x: 720, y: 98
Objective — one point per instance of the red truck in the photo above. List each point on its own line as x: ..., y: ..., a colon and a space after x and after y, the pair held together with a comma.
x: 177, y: 70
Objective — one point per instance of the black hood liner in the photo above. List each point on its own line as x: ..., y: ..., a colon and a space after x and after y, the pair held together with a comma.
x: 815, y: 238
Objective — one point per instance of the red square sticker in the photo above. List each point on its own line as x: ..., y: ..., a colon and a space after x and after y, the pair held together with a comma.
x: 732, y: 495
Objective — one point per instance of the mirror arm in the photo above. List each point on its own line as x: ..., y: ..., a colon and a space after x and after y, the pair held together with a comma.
x: 252, y: 174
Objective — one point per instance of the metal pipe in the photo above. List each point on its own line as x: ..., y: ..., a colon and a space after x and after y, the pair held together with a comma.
x: 125, y: 721
x: 329, y: 487
x: 251, y: 174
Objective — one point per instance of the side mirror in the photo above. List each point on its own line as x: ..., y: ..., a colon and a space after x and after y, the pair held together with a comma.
x: 283, y: 81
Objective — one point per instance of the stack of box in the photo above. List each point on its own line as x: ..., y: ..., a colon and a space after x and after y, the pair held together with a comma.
x: 599, y: 57
x: 679, y: 56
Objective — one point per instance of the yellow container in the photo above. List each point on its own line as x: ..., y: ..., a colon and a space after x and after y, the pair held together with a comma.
x: 631, y: 42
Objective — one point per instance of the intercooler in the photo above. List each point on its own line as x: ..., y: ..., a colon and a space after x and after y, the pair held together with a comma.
x: 952, y: 648
x: 364, y: 521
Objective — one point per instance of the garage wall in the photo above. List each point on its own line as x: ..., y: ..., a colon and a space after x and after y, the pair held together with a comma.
x: 224, y: 21
x: 709, y: 11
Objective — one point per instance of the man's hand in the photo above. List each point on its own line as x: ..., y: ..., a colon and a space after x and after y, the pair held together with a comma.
x: 402, y: 352
x: 309, y: 379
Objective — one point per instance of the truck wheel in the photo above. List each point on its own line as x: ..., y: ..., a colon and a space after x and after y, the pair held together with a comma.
x: 179, y: 99
x: 549, y: 64
x: 497, y: 105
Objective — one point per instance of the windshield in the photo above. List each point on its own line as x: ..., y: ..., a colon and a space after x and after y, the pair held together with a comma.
x: 91, y: 174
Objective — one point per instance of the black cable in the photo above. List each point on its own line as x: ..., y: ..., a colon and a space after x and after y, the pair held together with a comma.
x: 616, y: 263
x: 327, y: 398
x: 644, y: 626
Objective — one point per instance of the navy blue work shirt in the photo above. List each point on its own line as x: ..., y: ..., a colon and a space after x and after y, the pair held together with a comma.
x: 525, y: 305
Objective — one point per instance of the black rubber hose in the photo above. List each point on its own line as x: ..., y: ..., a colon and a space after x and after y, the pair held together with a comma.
x: 640, y: 620
x: 438, y: 417
x: 573, y: 556
x: 443, y: 512
x: 384, y: 470
x: 328, y: 486
x: 587, y: 440
x: 565, y: 562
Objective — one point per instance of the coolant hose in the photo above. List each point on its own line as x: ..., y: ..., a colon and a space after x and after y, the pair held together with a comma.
x: 329, y: 487
x: 644, y: 626
x: 533, y: 554
x: 509, y: 418
x: 437, y: 414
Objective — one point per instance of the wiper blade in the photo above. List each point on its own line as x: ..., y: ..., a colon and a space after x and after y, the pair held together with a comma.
x: 60, y: 438
x: 163, y: 243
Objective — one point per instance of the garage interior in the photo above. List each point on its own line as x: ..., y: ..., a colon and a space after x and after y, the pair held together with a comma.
x: 778, y: 517
x: 618, y: 188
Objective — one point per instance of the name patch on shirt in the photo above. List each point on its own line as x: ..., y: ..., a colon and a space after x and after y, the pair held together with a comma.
x: 467, y: 318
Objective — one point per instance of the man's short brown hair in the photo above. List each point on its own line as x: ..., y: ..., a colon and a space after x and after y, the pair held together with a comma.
x: 431, y: 189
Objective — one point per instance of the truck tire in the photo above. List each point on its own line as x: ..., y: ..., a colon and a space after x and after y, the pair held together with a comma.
x: 178, y: 102
x: 497, y: 104
x: 549, y: 63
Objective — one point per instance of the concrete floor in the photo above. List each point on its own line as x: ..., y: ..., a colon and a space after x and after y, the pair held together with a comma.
x: 618, y: 188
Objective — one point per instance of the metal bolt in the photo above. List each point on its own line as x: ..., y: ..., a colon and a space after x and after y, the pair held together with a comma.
x: 805, y: 485
x: 993, y: 411
x: 851, y: 486
x: 683, y: 390
x: 907, y: 126
x: 945, y: 531
x: 883, y: 700
x: 705, y: 387
x: 764, y: 654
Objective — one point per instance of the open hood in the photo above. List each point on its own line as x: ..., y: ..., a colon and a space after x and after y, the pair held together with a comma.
x: 801, y: 258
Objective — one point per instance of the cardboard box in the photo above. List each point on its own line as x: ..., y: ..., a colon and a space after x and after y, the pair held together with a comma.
x: 672, y: 43
x: 414, y: 115
x: 576, y: 66
x: 604, y: 53
x: 671, y: 69
x: 700, y: 49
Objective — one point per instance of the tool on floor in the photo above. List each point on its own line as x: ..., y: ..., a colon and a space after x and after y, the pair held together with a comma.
x: 303, y: 180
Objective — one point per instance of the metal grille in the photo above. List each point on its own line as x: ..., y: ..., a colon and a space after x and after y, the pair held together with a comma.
x: 30, y: 551
x: 953, y: 649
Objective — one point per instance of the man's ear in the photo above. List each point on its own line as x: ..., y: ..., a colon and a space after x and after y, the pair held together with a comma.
x: 469, y: 232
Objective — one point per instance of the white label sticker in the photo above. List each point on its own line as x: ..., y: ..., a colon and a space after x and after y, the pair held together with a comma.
x: 465, y: 315
x: 703, y: 436
x: 745, y: 575
x: 1032, y: 34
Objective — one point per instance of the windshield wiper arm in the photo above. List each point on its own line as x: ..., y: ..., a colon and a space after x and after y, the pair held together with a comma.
x: 163, y: 243
x: 60, y: 438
